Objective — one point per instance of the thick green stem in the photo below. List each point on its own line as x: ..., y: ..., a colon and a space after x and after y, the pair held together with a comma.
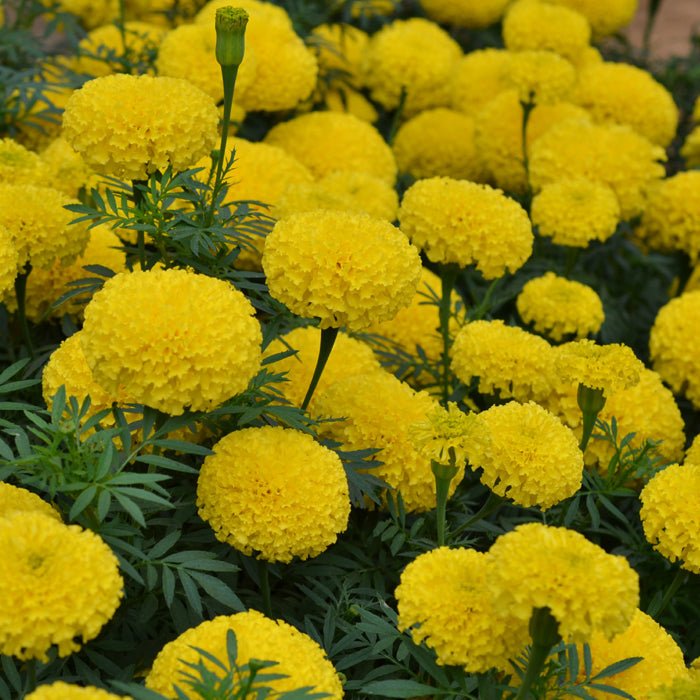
x: 264, y: 575
x: 448, y: 275
x: 137, y: 196
x: 591, y: 402
x: 478, y: 312
x: 21, y: 294
x: 228, y: 73
x: 544, y: 630
x: 678, y: 580
x: 444, y: 473
x: 328, y: 336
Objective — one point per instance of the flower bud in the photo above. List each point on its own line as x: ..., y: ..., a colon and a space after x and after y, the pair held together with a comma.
x: 230, y: 35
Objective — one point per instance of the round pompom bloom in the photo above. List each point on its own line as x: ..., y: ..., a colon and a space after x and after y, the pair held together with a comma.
x: 575, y: 212
x: 505, y: 359
x: 414, y: 55
x: 298, y: 659
x: 14, y: 499
x: 478, y: 78
x: 188, y: 341
x: 67, y: 691
x: 673, y: 345
x: 67, y: 171
x: 680, y: 689
x: 671, y: 514
x: 340, y: 49
x: 349, y: 357
x: 541, y: 77
x: 662, y: 659
x: 613, y: 155
x: 605, y: 18
x: 691, y: 149
x: 586, y: 589
x: 59, y: 582
x: 671, y: 218
x: 39, y: 225
x: 620, y: 93
x: 344, y: 268
x: 445, y: 601
x: 328, y: 141
x: 538, y: 26
x: 366, y: 192
x: 9, y: 262
x: 559, y: 307
x: 92, y: 14
x: 456, y: 221
x: 146, y: 124
x: 378, y: 411
x: 274, y: 492
x: 692, y: 456
x: 438, y: 142
x: 473, y: 14
x: 20, y: 165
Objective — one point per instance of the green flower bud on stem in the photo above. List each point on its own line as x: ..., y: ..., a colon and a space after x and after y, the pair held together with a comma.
x: 230, y: 35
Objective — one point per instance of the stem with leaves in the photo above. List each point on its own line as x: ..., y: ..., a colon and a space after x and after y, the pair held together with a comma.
x: 328, y: 336
x: 448, y: 274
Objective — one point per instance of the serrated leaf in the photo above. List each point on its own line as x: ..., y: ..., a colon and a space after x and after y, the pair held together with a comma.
x: 399, y: 689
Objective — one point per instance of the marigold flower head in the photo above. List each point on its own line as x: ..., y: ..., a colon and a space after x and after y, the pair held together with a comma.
x: 365, y: 192
x: 91, y: 14
x: 675, y: 354
x: 299, y: 659
x: 67, y: 171
x: 340, y: 49
x: 378, y: 411
x: 692, y: 456
x: 346, y: 269
x: 473, y: 14
x: 14, y: 499
x: 679, y: 689
x: 606, y: 18
x: 456, y: 221
x: 586, y: 589
x: 19, y: 165
x: 188, y: 341
x: 691, y: 149
x: 438, y: 142
x: 445, y: 601
x: 9, y: 262
x: 59, y: 582
x: 67, y: 691
x: 345, y: 100
x: 328, y: 141
x: 152, y: 123
x: 413, y: 55
x: 541, y: 77
x: 479, y: 77
x: 274, y: 492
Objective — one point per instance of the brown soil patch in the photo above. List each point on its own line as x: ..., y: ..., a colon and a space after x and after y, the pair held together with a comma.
x: 676, y: 22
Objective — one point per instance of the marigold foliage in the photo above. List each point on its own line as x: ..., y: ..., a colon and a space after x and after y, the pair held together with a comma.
x: 274, y: 492
x: 9, y: 262
x: 14, y: 499
x: 298, y: 657
x: 479, y: 76
x: 67, y: 691
x: 59, y: 583
x: 344, y: 268
x: 444, y: 599
x: 473, y: 14
x: 456, y: 221
x: 188, y: 341
x: 146, y: 124
x: 586, y: 589
x: 541, y: 77
x: 605, y: 18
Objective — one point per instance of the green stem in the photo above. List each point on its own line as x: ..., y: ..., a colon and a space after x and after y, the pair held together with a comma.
x: 397, y: 116
x: 544, y: 631
x: 448, y: 274
x: 328, y: 336
x: 137, y: 196
x: 228, y: 73
x: 444, y: 474
x: 31, y: 676
x: 21, y: 294
x: 654, y: 6
x: 478, y: 312
x: 264, y: 575
x: 678, y: 580
x: 492, y: 504
x: 591, y: 402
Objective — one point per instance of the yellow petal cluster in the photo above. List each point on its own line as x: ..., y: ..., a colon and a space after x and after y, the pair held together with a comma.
x: 587, y: 590
x: 59, y: 582
x: 479, y: 77
x: 67, y: 171
x: 130, y: 126
x: 691, y: 148
x: 692, y: 456
x: 344, y: 268
x: 605, y: 18
x: 299, y: 659
x: 680, y: 689
x: 67, y: 691
x: 541, y: 77
x: 14, y: 499
x: 456, y: 221
x: 9, y: 262
x: 92, y: 14
x: 275, y: 493
x: 473, y: 14
x: 340, y: 50
x: 163, y: 12
x: 348, y: 101
x: 444, y: 599
x: 188, y: 341
x: 19, y: 165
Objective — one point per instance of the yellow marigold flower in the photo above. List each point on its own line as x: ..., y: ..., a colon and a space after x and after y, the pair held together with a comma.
x: 445, y: 601
x: 340, y: 49
x: 344, y: 268
x: 367, y: 192
x: 505, y: 359
x: 20, y: 165
x: 414, y: 55
x: 605, y: 18
x: 499, y: 135
x: 671, y: 515
x: 542, y: 77
x: 9, y: 262
x: 438, y: 142
x: 537, y: 26
x: 473, y: 14
x: 147, y: 124
x: 662, y: 659
x: 560, y: 307
x: 692, y: 456
x: 348, y: 101
x: 478, y: 78
x: 349, y: 357
x: 576, y: 212
x: 328, y: 141
x: 680, y: 689
x: 378, y: 411
x: 59, y: 582
x: 39, y: 226
x: 619, y: 93
x: 311, y: 196
x: 299, y: 659
x: 67, y: 171
x: 92, y: 14
x: 275, y: 493
x: 673, y: 345
x: 67, y: 691
x: 456, y: 221
x: 671, y: 218
x: 613, y: 155
x: 188, y: 341
x: 260, y: 12
x: 586, y: 589
x: 14, y: 499
x: 691, y: 149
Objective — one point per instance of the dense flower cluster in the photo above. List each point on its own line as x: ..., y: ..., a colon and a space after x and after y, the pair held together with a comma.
x: 67, y: 691
x: 14, y: 499
x: 541, y: 77
x: 606, y: 18
x: 479, y: 76
x: 340, y: 48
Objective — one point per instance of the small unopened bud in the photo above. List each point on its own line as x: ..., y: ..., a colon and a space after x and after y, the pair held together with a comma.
x: 230, y: 35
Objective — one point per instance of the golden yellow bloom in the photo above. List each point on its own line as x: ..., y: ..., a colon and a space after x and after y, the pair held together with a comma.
x: 541, y: 77
x: 456, y: 221
x: 188, y: 341
x: 92, y: 14
x: 479, y: 77
x: 587, y: 590
x: 680, y: 689
x: 9, y: 262
x: 414, y: 55
x: 344, y: 268
x: 144, y: 124
x: 67, y: 171
x: 691, y: 149
x: 275, y: 493
x: 473, y: 14
x: 299, y: 659
x: 14, y: 499
x: 438, y: 142
x: 59, y: 582
x: 675, y: 354
x: 67, y: 691
x: 340, y: 50
x: 348, y: 101
x: 692, y: 456
x: 559, y: 307
x: 20, y: 165
x: 366, y: 192
x: 605, y: 18
x: 444, y: 599
x: 378, y: 411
